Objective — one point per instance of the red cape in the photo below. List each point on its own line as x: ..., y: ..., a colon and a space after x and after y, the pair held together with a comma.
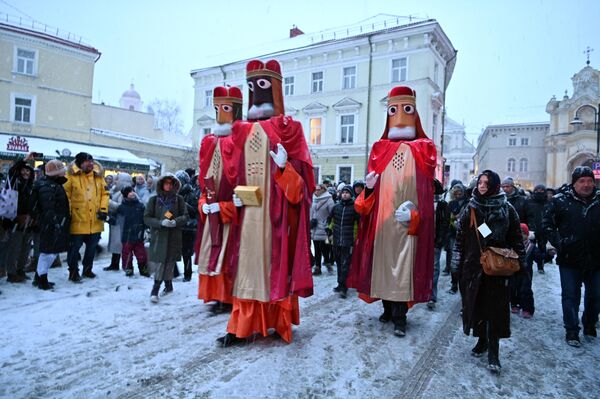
x: 359, y: 277
x: 290, y: 255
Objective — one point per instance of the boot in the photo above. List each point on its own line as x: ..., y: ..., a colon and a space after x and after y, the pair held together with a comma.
x: 480, y: 348
x: 493, y: 355
x: 87, y: 272
x: 56, y: 263
x: 74, y: 276
x: 154, y: 292
x: 187, y: 268
x: 36, y: 280
x: 43, y: 283
x: 454, y: 281
x: 316, y: 271
x: 144, y: 270
x: 229, y: 339
x: 129, y: 272
x: 168, y: 287
x: 22, y: 273
x: 31, y: 265
x: 114, y: 263
x: 176, y: 271
x: 14, y: 278
x: 329, y: 268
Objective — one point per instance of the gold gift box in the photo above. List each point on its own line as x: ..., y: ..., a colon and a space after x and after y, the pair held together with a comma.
x: 250, y: 195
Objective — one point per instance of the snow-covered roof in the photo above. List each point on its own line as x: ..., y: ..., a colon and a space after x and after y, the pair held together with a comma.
x: 67, y: 148
x: 377, y: 23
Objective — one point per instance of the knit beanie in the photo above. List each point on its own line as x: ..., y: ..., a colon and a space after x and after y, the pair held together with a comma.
x: 582, y: 171
x: 82, y: 157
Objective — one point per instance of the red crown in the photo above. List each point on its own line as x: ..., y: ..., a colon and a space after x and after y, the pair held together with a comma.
x: 227, y: 94
x: 402, y: 91
x: 258, y: 68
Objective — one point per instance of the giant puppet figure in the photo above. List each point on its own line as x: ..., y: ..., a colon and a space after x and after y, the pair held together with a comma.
x: 396, y: 230
x: 218, y: 237
x: 273, y: 266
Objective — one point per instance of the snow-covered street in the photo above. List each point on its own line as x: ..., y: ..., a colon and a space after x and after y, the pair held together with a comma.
x: 104, y: 339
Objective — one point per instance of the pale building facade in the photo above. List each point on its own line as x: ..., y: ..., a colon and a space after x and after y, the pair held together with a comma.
x: 46, y: 86
x: 515, y: 150
x: 336, y: 83
x: 573, y: 134
x: 458, y: 152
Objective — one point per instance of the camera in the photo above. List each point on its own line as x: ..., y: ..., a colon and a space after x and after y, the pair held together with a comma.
x: 37, y: 154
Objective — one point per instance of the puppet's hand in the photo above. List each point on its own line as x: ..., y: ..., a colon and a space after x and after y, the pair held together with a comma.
x: 214, y: 207
x: 205, y: 208
x: 281, y: 157
x: 371, y: 179
x: 237, y: 201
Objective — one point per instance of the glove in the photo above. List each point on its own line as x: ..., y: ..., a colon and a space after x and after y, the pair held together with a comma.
x: 237, y: 201
x: 214, y: 207
x: 101, y: 215
x: 281, y: 157
x: 168, y: 223
x: 172, y: 223
x: 402, y: 214
x: 205, y: 208
x: 371, y: 179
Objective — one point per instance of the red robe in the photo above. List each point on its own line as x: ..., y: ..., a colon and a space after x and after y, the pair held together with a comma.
x: 424, y: 153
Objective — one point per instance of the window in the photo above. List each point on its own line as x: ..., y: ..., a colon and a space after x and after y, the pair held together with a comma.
x: 511, y: 165
x: 23, y: 110
x: 25, y: 61
x: 344, y: 174
x: 315, y: 130
x: 523, y: 163
x: 205, y: 131
x: 512, y: 141
x: 434, y: 125
x: 524, y: 140
x: 346, y: 129
x: 208, y: 98
x: 349, y: 74
x: 399, y: 70
x: 317, y: 82
x: 288, y: 84
x: 436, y: 71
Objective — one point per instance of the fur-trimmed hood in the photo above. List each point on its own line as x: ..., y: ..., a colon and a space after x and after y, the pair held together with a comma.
x: 159, y: 183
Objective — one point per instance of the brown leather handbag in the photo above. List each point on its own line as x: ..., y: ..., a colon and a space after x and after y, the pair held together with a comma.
x: 496, y: 261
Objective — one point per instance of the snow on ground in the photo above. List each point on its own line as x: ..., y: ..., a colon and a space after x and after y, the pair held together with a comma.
x: 104, y: 339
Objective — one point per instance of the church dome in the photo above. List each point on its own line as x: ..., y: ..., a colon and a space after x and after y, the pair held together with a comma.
x: 131, y: 93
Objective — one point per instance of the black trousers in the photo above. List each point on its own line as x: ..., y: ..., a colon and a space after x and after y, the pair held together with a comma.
x: 343, y: 259
x: 397, y: 310
x: 320, y: 251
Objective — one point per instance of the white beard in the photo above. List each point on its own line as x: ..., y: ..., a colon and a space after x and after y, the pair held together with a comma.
x: 262, y: 111
x: 221, y: 129
x: 402, y: 133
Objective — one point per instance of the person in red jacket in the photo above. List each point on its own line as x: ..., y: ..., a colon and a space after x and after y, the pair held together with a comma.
x: 396, y: 230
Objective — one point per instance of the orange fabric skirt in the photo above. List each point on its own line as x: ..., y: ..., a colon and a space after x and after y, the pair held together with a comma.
x: 250, y: 316
x: 215, y: 288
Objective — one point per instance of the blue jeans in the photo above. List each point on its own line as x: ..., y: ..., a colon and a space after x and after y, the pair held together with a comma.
x: 570, y: 282
x: 436, y: 272
x: 75, y: 243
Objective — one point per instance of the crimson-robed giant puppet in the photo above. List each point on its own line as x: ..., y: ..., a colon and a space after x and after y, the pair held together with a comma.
x: 218, y: 232
x: 396, y: 230
x: 273, y: 266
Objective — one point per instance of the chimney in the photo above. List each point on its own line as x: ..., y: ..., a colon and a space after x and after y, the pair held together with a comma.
x: 295, y: 31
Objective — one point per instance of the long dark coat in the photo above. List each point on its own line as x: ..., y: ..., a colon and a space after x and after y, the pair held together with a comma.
x: 165, y: 242
x: 50, y: 206
x: 485, y: 298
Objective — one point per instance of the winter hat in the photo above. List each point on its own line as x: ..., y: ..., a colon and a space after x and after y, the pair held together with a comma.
x: 347, y: 188
x: 55, y: 168
x: 582, y: 171
x: 191, y: 172
x: 126, y: 190
x: 525, y: 229
x: 358, y: 183
x: 340, y: 186
x: 183, y: 177
x: 508, y: 180
x: 82, y: 157
x: 454, y: 182
x: 539, y: 187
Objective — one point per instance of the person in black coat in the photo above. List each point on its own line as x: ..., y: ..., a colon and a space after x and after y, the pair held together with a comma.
x: 344, y: 219
x: 50, y: 207
x: 571, y: 223
x: 442, y: 231
x: 456, y: 205
x: 188, y: 233
x: 485, y: 299
x: 131, y: 210
x: 535, y: 212
x: 515, y: 197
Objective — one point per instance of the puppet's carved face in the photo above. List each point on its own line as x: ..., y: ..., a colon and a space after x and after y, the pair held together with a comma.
x: 401, y: 120
x: 262, y: 98
x: 226, y: 114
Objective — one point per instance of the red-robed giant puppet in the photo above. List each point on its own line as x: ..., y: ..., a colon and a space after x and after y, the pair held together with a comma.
x: 218, y: 234
x: 396, y: 230
x: 273, y: 267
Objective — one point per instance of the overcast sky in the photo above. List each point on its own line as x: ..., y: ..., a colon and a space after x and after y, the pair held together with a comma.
x: 512, y: 55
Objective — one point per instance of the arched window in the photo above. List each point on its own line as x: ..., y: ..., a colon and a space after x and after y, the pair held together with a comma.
x: 523, y: 163
x: 510, y: 167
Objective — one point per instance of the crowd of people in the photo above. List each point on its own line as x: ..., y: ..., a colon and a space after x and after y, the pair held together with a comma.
x: 259, y: 227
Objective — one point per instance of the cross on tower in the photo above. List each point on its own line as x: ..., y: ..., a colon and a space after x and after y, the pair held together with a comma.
x: 587, y: 52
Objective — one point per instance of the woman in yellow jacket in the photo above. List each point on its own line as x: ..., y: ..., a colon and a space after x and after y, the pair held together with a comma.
x: 88, y: 199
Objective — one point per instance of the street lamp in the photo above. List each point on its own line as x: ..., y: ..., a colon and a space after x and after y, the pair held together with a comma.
x: 577, y: 122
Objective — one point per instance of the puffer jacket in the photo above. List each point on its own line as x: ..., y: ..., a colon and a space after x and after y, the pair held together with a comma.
x: 573, y: 227
x: 165, y: 242
x: 344, y: 218
x: 50, y: 206
x: 87, y: 196
x: 319, y: 213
